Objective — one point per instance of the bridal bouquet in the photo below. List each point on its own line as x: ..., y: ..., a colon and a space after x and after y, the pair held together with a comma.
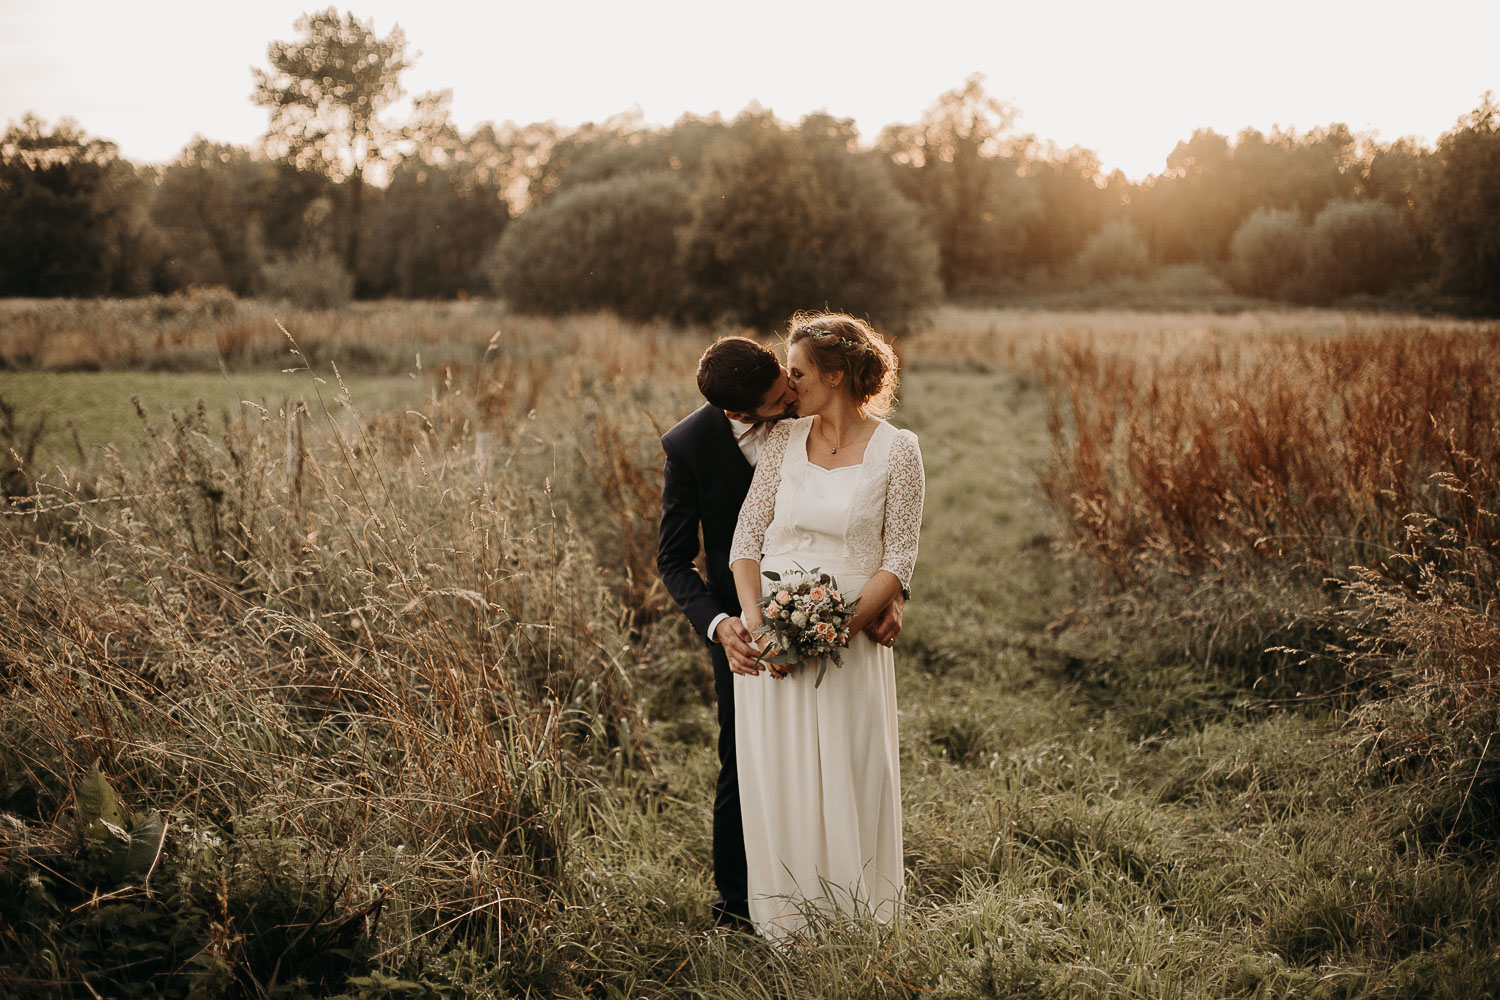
x: 806, y: 617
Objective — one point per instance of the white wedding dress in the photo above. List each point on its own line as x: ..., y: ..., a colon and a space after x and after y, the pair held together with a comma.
x: 819, y: 767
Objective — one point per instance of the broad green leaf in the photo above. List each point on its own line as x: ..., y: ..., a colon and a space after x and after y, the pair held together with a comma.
x: 771, y: 575
x: 97, y: 801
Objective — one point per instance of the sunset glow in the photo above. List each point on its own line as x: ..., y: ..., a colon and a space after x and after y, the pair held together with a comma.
x: 1128, y: 82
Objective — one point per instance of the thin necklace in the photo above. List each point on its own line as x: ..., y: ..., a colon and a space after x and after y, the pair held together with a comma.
x: 837, y: 444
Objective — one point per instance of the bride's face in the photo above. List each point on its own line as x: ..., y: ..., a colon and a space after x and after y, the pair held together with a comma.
x: 813, y: 391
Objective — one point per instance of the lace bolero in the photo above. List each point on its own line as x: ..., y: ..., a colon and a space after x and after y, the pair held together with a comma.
x: 885, y: 518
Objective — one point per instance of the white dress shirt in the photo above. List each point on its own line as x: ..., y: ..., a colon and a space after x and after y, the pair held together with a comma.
x: 750, y: 438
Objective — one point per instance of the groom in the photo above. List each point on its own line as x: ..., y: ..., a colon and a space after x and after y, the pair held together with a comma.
x: 711, y: 456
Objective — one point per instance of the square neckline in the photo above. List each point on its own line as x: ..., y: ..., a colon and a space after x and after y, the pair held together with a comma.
x: 807, y: 440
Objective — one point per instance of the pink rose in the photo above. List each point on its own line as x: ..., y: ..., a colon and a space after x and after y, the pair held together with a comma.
x: 784, y: 597
x: 818, y: 593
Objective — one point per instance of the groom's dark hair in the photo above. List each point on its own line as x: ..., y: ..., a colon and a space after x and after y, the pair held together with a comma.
x: 735, y: 374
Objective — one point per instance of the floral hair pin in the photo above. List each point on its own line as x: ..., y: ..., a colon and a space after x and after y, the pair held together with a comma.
x: 853, y: 345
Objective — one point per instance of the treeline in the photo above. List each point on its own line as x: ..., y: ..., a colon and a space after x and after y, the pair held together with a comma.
x: 744, y: 220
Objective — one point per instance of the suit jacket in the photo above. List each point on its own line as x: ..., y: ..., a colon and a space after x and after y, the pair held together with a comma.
x: 703, y: 485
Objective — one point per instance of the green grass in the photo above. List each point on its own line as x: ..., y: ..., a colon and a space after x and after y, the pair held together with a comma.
x: 100, y: 407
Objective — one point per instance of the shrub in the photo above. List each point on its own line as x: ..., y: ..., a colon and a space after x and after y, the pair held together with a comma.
x: 607, y: 245
x: 1359, y: 247
x: 1268, y: 253
x: 312, y: 278
x: 782, y: 223
x: 1116, y: 251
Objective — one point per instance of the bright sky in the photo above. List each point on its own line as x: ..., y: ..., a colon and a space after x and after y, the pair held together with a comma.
x: 1126, y: 80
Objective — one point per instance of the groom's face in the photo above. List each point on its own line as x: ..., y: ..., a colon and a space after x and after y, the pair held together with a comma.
x: 780, y: 401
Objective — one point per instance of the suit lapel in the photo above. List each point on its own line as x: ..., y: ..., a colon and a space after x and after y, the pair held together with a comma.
x: 724, y: 433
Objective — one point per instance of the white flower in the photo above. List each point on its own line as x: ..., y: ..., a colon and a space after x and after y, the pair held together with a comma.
x: 799, y: 619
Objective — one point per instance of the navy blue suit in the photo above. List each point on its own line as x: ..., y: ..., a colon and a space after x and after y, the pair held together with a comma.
x: 703, y: 486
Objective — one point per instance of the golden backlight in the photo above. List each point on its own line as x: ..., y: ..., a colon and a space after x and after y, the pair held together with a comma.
x: 1128, y: 81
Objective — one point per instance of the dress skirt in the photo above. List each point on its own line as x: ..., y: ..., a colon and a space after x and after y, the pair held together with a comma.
x: 820, y: 779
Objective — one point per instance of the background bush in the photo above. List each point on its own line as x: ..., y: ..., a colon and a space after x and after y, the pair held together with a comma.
x: 781, y: 222
x: 313, y: 278
x: 1268, y: 253
x: 606, y: 245
x: 1358, y: 247
x: 1116, y: 251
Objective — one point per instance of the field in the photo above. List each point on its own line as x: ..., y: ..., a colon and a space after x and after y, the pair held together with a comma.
x: 386, y: 701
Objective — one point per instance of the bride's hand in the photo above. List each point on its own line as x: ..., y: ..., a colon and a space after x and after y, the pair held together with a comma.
x: 874, y: 598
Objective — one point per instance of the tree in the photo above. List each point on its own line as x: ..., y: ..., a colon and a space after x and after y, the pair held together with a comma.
x: 959, y: 163
x: 72, y: 215
x: 208, y: 210
x: 429, y: 230
x: 1461, y: 204
x: 1188, y: 212
x: 326, y: 92
x: 1074, y: 202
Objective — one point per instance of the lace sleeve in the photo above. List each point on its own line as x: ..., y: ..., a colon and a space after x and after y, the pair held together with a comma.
x: 760, y: 502
x: 903, y: 508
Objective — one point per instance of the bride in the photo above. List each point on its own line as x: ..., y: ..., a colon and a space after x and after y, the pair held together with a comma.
x: 838, y: 490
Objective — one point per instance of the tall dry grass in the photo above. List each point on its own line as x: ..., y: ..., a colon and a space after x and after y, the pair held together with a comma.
x: 365, y: 668
x: 1331, y: 499
x: 1009, y: 339
x: 1277, y: 447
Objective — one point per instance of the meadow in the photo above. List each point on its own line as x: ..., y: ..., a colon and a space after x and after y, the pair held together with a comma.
x: 367, y: 688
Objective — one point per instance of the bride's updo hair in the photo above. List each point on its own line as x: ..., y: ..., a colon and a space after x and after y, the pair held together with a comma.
x: 841, y: 343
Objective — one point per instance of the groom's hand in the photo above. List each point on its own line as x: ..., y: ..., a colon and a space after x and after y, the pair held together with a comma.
x: 737, y: 642
x: 887, y: 625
